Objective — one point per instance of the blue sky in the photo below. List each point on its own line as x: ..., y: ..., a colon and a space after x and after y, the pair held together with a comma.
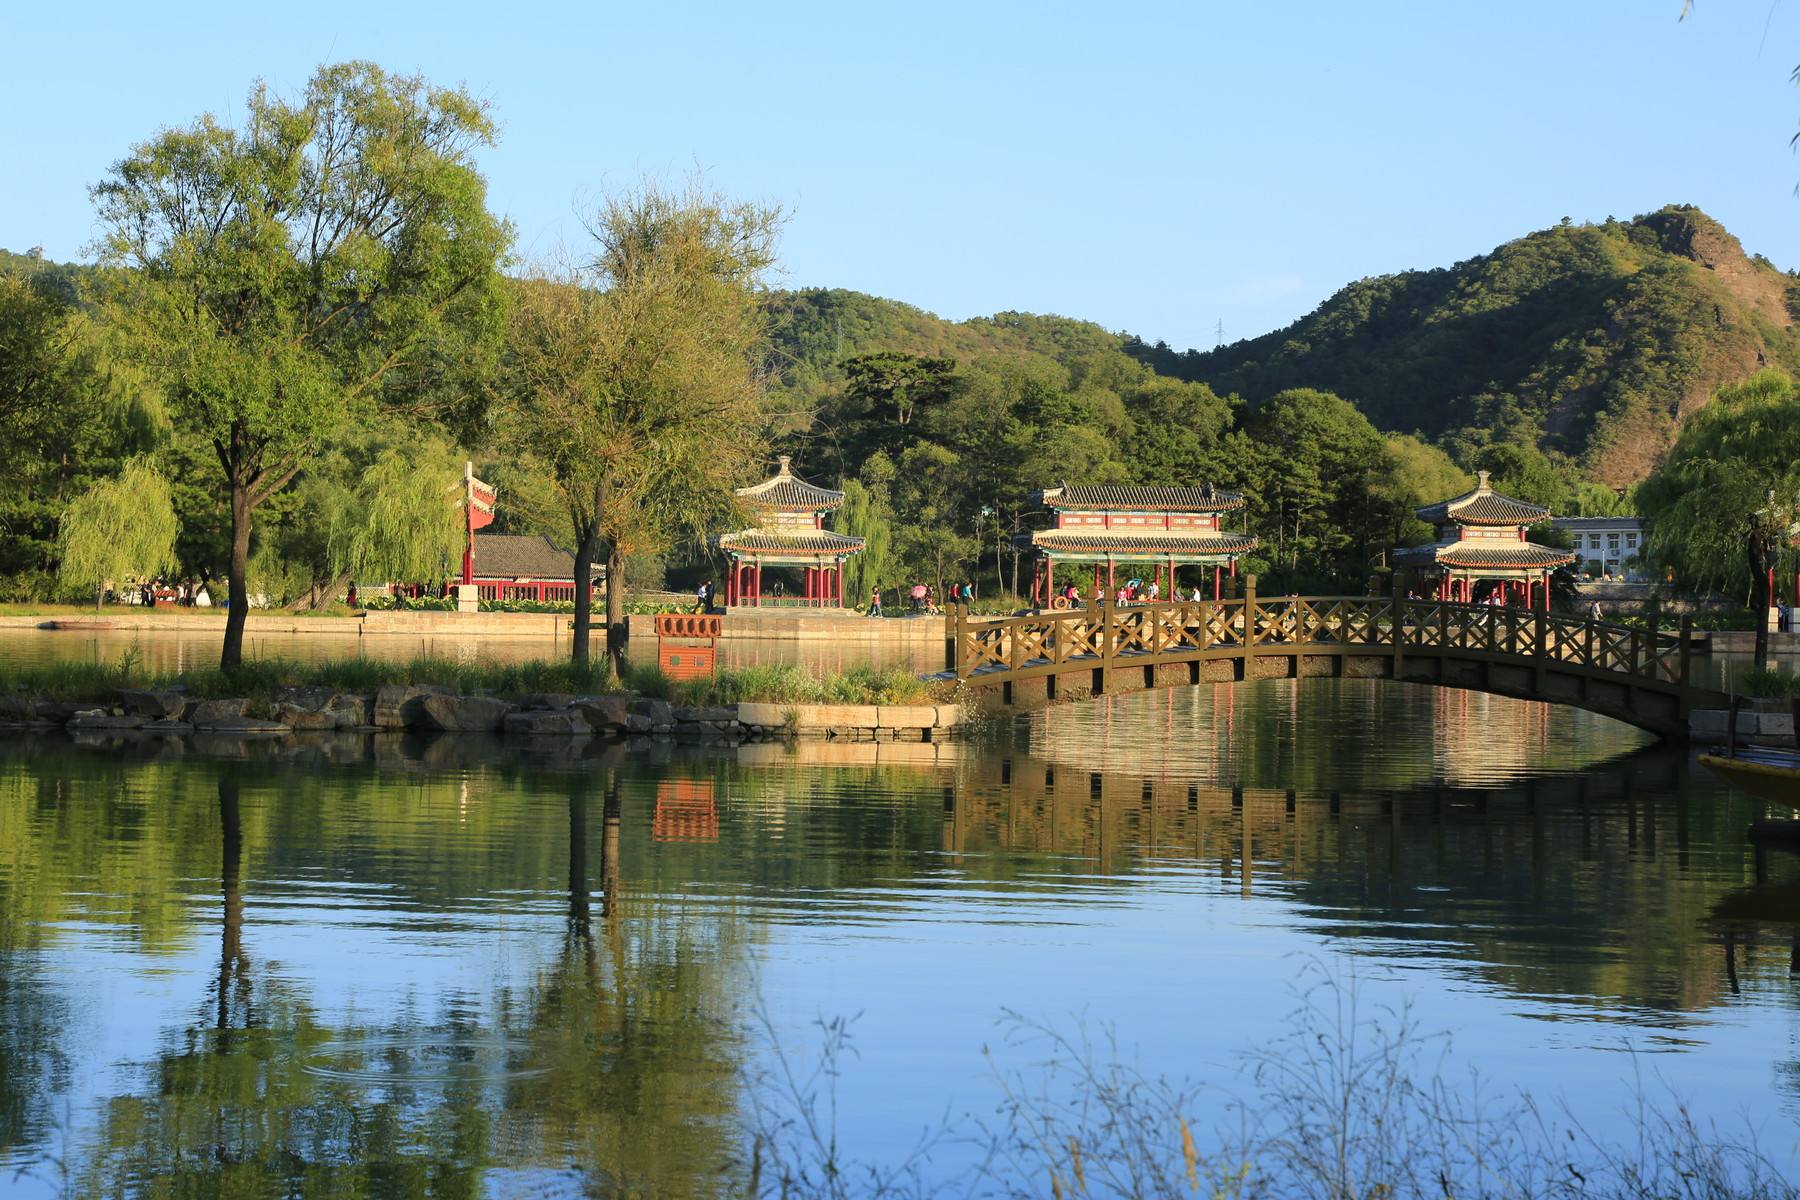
x: 1156, y: 168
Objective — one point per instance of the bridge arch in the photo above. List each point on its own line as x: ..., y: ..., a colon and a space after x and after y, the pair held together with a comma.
x: 1639, y: 676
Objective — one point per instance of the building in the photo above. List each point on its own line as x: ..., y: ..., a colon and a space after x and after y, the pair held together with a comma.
x: 1482, y: 551
x: 789, y: 532
x: 508, y: 566
x: 1149, y: 532
x: 1606, y: 545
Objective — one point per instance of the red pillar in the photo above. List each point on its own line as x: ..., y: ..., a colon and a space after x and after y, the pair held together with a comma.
x: 1097, y: 579
x: 1112, y: 578
x: 809, y: 584
x: 1049, y: 581
x: 756, y: 583
x: 1217, y: 581
x: 840, y: 584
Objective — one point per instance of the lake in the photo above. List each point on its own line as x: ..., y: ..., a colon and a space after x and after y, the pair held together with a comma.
x: 399, y: 967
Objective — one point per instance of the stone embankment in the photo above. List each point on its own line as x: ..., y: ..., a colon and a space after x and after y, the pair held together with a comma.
x: 1759, y: 723
x: 172, y: 712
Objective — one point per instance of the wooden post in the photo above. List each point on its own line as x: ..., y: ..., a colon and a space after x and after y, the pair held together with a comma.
x: 1397, y: 609
x: 1655, y: 621
x: 1109, y: 616
x: 1687, y: 634
x: 1250, y: 635
x: 1217, y: 581
x: 1541, y: 651
x: 958, y: 650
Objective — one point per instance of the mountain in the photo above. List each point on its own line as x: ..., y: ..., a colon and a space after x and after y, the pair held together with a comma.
x: 1593, y: 341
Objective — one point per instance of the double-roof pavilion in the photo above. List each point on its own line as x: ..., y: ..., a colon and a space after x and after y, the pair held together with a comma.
x: 789, y: 531
x: 1481, y: 539
x: 1152, y: 529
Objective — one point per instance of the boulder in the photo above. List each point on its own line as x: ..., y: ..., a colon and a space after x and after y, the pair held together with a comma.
x: 397, y: 705
x: 159, y: 704
x: 349, y: 710
x: 95, y: 718
x: 659, y: 712
x: 542, y: 721
x: 606, y: 714
x: 547, y: 700
x: 18, y: 710
x: 638, y: 723
x: 462, y: 714
x: 218, y: 714
x: 168, y: 728
x: 294, y: 716
x: 709, y: 712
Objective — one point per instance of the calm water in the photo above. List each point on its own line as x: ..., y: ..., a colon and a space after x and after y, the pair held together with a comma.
x: 409, y: 968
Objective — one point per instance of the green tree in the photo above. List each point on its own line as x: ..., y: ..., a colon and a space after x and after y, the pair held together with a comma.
x: 636, y: 381
x: 414, y: 524
x: 1416, y: 474
x: 867, y: 513
x: 120, y: 528
x: 1719, y: 510
x: 332, y: 253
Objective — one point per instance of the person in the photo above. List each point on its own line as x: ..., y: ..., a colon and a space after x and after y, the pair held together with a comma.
x: 1594, y: 611
x: 918, y: 597
x: 778, y: 590
x: 703, y: 597
x: 1196, y: 597
x: 874, y: 602
x: 968, y: 593
x: 1123, y: 596
x: 350, y: 599
x: 1153, y: 592
x: 931, y: 607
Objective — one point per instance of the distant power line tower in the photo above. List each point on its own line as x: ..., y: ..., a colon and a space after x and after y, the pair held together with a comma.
x: 1219, y: 333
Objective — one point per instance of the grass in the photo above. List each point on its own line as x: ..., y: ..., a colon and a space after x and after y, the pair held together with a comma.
x: 79, y: 682
x: 1770, y: 682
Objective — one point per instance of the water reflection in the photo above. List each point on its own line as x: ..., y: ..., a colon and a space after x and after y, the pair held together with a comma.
x: 386, y: 966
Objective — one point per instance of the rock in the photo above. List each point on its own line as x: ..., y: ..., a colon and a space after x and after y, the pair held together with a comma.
x: 249, y: 727
x: 462, y: 714
x: 217, y: 714
x: 709, y: 712
x: 349, y: 710
x: 539, y: 722
x: 94, y: 718
x: 606, y: 714
x: 296, y: 717
x: 547, y: 700
x: 659, y: 712
x: 310, y: 699
x: 396, y: 704
x: 153, y: 704
x: 20, y: 710
x: 168, y: 728
x: 638, y: 723
x: 56, y: 712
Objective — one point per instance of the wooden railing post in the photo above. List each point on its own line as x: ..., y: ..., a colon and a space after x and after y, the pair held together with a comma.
x: 1250, y: 635
x: 959, y: 649
x: 1399, y: 622
x: 1655, y: 663
x: 1015, y: 649
x: 1681, y: 654
x: 1541, y: 650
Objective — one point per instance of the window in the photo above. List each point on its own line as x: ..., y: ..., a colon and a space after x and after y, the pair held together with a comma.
x: 1631, y: 541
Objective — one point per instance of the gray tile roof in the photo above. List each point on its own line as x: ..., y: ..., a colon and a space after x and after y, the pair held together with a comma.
x: 787, y: 490
x: 808, y: 541
x: 1483, y: 506
x: 522, y: 556
x: 1096, y: 541
x: 1114, y: 497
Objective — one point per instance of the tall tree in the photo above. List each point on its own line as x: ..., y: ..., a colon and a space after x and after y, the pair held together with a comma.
x: 120, y: 528
x: 334, y: 251
x: 1718, y: 511
x: 635, y: 380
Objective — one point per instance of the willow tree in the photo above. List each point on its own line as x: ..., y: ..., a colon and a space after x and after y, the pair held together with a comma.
x: 1719, y: 510
x: 636, y: 381
x: 119, y: 528
x: 412, y: 527
x: 333, y: 253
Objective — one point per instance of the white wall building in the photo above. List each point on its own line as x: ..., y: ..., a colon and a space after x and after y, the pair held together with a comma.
x: 1605, y: 545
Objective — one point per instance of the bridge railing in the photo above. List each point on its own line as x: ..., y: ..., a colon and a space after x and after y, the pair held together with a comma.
x: 1225, y: 628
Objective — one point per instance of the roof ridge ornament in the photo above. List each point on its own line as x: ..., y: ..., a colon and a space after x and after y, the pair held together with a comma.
x: 1481, y: 482
x: 786, y: 462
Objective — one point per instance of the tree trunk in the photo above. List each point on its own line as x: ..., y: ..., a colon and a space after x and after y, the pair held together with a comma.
x: 1760, y: 598
x: 237, y: 587
x: 615, y: 608
x: 584, y: 595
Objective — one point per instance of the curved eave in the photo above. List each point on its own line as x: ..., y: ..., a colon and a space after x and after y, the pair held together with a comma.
x: 1064, y: 541
x: 762, y: 541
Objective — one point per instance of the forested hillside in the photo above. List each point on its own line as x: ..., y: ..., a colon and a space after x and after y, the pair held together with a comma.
x: 1593, y: 341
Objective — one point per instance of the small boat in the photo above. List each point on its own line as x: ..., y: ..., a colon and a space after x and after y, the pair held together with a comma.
x: 1772, y: 775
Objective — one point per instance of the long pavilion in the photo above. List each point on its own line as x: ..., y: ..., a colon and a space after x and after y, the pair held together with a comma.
x: 789, y: 532
x: 1481, y: 540
x: 1146, y: 530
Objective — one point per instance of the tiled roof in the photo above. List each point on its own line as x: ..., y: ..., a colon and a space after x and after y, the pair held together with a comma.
x: 814, y: 541
x: 1473, y: 555
x: 1483, y: 506
x: 1099, y: 541
x: 520, y: 556
x: 784, y: 489
x: 1110, y: 497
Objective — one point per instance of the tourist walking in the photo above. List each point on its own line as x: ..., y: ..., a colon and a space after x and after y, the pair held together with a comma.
x: 874, y: 602
x: 918, y: 597
x: 703, y: 597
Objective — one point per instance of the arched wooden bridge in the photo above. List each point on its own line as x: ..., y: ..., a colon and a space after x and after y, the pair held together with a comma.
x: 1639, y: 676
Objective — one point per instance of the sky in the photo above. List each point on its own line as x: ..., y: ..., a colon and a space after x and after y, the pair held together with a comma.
x: 1162, y: 169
